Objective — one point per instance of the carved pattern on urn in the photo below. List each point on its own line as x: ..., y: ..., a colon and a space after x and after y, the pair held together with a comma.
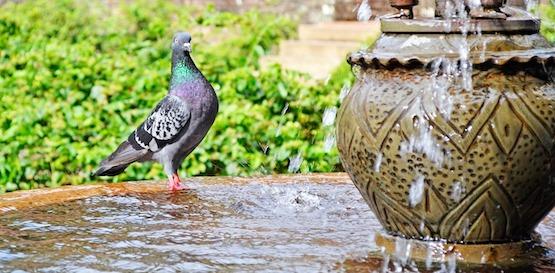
x: 496, y: 145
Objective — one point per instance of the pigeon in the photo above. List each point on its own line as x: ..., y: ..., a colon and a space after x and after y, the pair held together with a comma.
x: 177, y: 124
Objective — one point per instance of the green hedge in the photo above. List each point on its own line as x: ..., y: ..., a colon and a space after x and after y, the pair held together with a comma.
x: 548, y: 21
x: 76, y: 77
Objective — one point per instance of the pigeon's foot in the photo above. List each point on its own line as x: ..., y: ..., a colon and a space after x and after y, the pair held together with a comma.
x: 174, y: 183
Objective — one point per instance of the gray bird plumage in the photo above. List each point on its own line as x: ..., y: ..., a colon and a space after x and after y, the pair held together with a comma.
x: 176, y: 125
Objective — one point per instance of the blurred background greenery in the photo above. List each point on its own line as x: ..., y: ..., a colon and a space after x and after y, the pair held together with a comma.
x: 76, y: 77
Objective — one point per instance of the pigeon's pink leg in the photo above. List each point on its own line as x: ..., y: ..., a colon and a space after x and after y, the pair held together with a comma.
x: 175, y: 183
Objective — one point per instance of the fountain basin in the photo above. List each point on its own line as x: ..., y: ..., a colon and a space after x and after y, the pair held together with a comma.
x: 309, y: 223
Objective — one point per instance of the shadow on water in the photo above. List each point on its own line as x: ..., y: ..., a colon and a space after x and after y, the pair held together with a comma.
x: 301, y: 227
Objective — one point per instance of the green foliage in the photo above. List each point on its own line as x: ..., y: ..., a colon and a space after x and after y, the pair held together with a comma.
x: 76, y: 77
x: 548, y: 22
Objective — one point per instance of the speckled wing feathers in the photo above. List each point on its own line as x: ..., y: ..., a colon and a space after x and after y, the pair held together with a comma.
x: 163, y: 126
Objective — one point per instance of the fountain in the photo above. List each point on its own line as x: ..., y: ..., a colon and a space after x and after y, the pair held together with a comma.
x: 448, y: 131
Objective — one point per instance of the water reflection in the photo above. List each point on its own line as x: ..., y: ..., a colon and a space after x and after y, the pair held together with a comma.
x: 301, y: 227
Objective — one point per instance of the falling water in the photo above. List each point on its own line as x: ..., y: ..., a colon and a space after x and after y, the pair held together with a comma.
x: 328, y: 120
x: 452, y: 263
x: 423, y: 142
x: 416, y: 191
x: 402, y: 250
x: 295, y: 163
x: 329, y: 142
x: 378, y: 161
x: 364, y: 12
x: 282, y: 119
x: 441, y: 81
x: 457, y: 192
x: 344, y: 92
x: 329, y: 116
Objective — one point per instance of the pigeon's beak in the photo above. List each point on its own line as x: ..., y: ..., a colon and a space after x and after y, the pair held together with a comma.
x: 187, y: 47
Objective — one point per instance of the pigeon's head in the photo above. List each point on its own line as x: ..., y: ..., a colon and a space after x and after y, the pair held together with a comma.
x: 182, y: 42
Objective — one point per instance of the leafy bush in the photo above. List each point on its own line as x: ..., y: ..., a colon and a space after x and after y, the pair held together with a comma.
x: 76, y: 77
x: 548, y: 21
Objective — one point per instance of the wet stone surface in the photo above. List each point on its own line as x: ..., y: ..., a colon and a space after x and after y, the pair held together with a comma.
x: 253, y: 227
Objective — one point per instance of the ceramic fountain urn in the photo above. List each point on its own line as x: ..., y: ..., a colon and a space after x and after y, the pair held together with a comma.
x: 448, y: 131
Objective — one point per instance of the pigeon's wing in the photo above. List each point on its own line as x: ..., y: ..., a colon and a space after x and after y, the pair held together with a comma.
x: 165, y: 125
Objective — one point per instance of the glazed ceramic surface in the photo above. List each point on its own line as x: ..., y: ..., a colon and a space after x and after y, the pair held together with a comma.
x: 470, y: 165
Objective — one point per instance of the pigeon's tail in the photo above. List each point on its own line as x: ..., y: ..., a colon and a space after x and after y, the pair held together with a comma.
x: 116, y: 163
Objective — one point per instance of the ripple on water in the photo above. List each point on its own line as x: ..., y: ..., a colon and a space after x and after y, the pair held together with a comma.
x: 303, y: 227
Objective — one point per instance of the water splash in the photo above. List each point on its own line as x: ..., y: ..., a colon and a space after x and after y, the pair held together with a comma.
x: 295, y: 163
x: 429, y: 256
x: 364, y: 12
x: 290, y: 198
x: 402, y: 250
x: 416, y: 191
x: 452, y: 263
x: 424, y: 143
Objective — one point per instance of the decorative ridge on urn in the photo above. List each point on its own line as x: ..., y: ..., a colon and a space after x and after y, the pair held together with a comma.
x: 491, y: 43
x: 487, y: 51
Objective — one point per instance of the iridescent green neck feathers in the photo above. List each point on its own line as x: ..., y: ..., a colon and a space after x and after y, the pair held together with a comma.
x: 183, y: 71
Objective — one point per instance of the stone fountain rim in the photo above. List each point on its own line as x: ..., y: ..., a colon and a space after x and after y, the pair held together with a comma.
x: 29, y: 199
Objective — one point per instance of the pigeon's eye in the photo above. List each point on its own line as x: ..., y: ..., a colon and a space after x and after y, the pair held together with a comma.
x: 175, y: 41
